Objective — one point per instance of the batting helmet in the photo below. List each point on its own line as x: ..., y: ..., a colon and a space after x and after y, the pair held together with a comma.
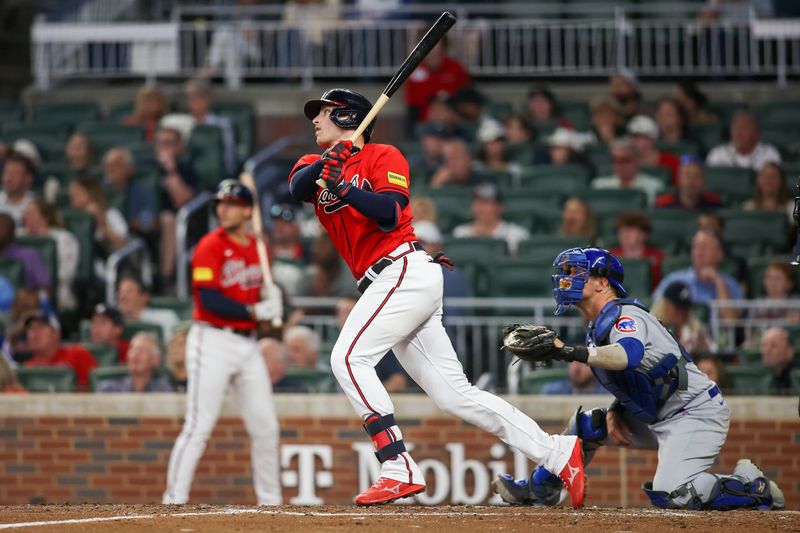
x: 568, y: 284
x: 351, y: 108
x: 233, y: 191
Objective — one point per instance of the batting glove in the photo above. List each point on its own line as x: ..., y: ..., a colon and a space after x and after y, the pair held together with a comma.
x: 333, y: 174
x: 268, y: 310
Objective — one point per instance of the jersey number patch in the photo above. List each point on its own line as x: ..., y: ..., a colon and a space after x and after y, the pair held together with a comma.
x: 626, y: 324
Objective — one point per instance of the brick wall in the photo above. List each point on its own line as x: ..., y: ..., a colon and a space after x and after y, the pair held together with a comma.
x: 119, y: 457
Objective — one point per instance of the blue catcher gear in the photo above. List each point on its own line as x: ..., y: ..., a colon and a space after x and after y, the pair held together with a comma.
x: 573, y: 268
x: 542, y: 489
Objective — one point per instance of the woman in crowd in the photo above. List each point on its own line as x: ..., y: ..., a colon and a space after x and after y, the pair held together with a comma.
x: 577, y: 220
x: 694, y: 102
x: 772, y: 193
x: 79, y: 153
x: 672, y: 120
x: 151, y: 106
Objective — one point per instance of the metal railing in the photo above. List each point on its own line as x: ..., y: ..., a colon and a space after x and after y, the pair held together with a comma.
x: 115, y: 260
x: 184, y: 251
x: 363, y: 48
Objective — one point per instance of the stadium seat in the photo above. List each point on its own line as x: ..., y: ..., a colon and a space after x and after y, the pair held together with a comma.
x: 679, y: 262
x: 120, y: 110
x: 106, y: 372
x: 315, y: 380
x: 522, y: 153
x: 498, y: 177
x: 47, y: 379
x: 182, y: 308
x: 205, y: 154
x: 547, y: 219
x: 50, y: 140
x: 11, y: 111
x: 242, y: 116
x: 48, y: 251
x: 709, y: 135
x: 132, y: 327
x: 756, y: 266
x: 750, y: 357
x: 11, y: 269
x: 782, y: 137
x: 107, y: 135
x: 547, y: 247
x: 533, y: 381
x: 638, y: 279
x: 578, y: 113
x: 612, y: 200
x: 763, y: 231
x: 748, y: 380
x: 105, y: 355
x: 779, y: 114
x: 81, y: 225
x: 725, y: 110
x: 733, y: 183
x: 672, y: 228
x: 572, y: 172
x: 663, y: 174
x: 499, y: 110
x: 473, y: 255
x: 521, y: 277
x: 679, y: 148
x: 69, y: 113
x: 452, y: 205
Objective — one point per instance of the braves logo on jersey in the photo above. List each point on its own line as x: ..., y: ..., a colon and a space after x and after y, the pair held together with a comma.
x: 237, y: 272
x: 331, y: 204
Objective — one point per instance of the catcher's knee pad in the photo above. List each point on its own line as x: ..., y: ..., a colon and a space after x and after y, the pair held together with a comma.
x: 379, y: 429
x: 588, y: 425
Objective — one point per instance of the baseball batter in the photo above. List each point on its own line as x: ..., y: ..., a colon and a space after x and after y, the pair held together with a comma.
x: 365, y: 209
x: 221, y: 349
x: 663, y: 401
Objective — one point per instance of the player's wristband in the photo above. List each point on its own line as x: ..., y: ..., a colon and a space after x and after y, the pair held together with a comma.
x: 573, y: 353
x: 251, y: 311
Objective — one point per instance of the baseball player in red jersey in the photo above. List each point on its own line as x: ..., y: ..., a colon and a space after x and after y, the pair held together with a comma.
x: 365, y: 209
x: 221, y: 349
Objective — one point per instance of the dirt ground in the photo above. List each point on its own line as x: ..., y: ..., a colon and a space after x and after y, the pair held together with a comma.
x: 208, y: 518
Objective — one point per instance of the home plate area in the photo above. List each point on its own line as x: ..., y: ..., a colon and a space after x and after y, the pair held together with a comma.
x: 208, y: 518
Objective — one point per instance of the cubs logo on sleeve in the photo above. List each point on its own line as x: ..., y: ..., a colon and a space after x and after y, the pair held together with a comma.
x: 626, y: 324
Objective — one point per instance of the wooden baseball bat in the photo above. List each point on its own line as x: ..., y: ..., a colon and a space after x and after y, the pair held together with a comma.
x: 423, y: 48
x: 261, y: 246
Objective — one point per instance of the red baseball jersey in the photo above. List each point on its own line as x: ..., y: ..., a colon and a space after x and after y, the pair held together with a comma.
x: 76, y: 356
x: 376, y: 168
x: 223, y: 264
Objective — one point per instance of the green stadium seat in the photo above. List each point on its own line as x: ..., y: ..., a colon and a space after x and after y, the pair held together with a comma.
x: 242, y: 115
x: 547, y: 247
x: 679, y: 262
x: 473, y: 255
x: 182, y: 308
x: 578, y: 113
x: 663, y: 174
x: 735, y: 183
x: 66, y: 112
x: 498, y: 177
x: 11, y: 111
x: 205, y: 154
x: 499, y: 110
x: 779, y: 114
x: 49, y: 139
x: 47, y: 379
x: 764, y: 231
x: 132, y: 327
x: 748, y: 380
x: 672, y: 228
x: 521, y: 277
x: 522, y: 153
x: 613, y: 200
x: 536, y: 172
x: 679, y: 148
x: 638, y: 280
x: 11, y: 269
x: 105, y: 355
x: 533, y: 381
x: 523, y: 206
x: 411, y: 150
x: 709, y: 135
x: 48, y: 251
x: 81, y: 225
x: 106, y: 135
x: 319, y: 381
x: 783, y: 137
x: 103, y: 373
x: 547, y: 219
x: 725, y: 110
x: 452, y: 205
x: 750, y: 357
x: 120, y: 110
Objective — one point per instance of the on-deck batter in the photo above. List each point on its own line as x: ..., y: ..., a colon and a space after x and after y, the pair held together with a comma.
x: 221, y: 349
x: 365, y: 209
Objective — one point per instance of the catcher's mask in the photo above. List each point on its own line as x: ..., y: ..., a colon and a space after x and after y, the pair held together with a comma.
x: 573, y: 268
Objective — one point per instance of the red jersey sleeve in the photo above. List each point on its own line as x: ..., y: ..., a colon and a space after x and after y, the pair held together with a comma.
x: 207, y: 264
x: 83, y: 362
x: 308, y: 159
x: 389, y: 172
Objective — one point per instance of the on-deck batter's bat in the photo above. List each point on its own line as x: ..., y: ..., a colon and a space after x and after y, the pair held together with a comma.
x: 423, y: 48
x: 261, y: 246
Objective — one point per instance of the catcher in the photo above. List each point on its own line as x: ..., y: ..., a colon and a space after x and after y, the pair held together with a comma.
x: 662, y: 401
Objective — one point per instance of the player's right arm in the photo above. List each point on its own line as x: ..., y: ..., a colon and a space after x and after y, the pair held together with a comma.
x: 303, y: 177
x: 206, y: 272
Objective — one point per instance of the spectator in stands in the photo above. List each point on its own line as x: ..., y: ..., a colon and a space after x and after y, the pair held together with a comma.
x: 111, y: 230
x: 303, y: 345
x: 492, y: 154
x: 487, y: 213
x: 198, y: 102
x: 745, y: 149
x: 455, y: 284
x: 106, y: 328
x: 607, y: 120
x: 176, y: 357
x: 581, y: 381
x: 643, y: 131
x: 328, y: 274
x: 672, y: 120
x: 9, y: 384
x: 42, y: 220
x: 691, y: 193
x: 442, y: 113
x: 694, y: 101
x: 470, y: 105
x: 34, y: 271
x: 711, y: 221
x: 674, y: 310
x: 133, y: 298
x: 543, y: 109
x: 276, y: 359
x: 79, y: 153
x: 17, y: 182
x: 44, y: 342
x: 423, y: 208
x: 624, y: 164
x: 286, y: 239
x: 178, y: 185
x: 578, y: 220
x: 151, y: 106
x: 138, y: 203
x: 519, y: 130
x: 711, y: 366
x: 456, y: 168
x: 388, y: 369
x: 432, y: 137
x: 704, y: 278
x: 438, y: 73
x: 563, y: 148
x: 633, y: 233
x: 144, y: 358
x: 779, y: 285
x: 624, y: 89
x: 772, y: 193
x: 777, y: 355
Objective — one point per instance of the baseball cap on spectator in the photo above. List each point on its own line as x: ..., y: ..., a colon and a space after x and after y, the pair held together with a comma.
x: 643, y: 125
x: 487, y: 191
x: 434, y: 129
x: 691, y: 159
x: 109, y: 312
x: 562, y: 137
x: 40, y: 315
x: 679, y: 294
x: 284, y: 212
x: 490, y: 130
x: 468, y: 94
x: 427, y: 232
x: 629, y: 75
x: 26, y: 148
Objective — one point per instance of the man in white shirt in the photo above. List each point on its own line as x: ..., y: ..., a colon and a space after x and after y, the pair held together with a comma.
x: 487, y: 210
x: 624, y: 160
x: 745, y: 149
x: 17, y: 181
x: 198, y: 102
x: 132, y: 300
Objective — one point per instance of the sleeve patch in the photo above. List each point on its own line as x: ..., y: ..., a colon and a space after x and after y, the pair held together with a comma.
x: 202, y: 274
x: 626, y: 324
x: 397, y: 179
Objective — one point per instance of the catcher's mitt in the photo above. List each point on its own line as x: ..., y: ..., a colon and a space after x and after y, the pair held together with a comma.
x: 530, y: 342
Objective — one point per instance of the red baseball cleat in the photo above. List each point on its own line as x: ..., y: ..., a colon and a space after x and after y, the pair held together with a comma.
x: 573, y: 475
x: 387, y: 490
